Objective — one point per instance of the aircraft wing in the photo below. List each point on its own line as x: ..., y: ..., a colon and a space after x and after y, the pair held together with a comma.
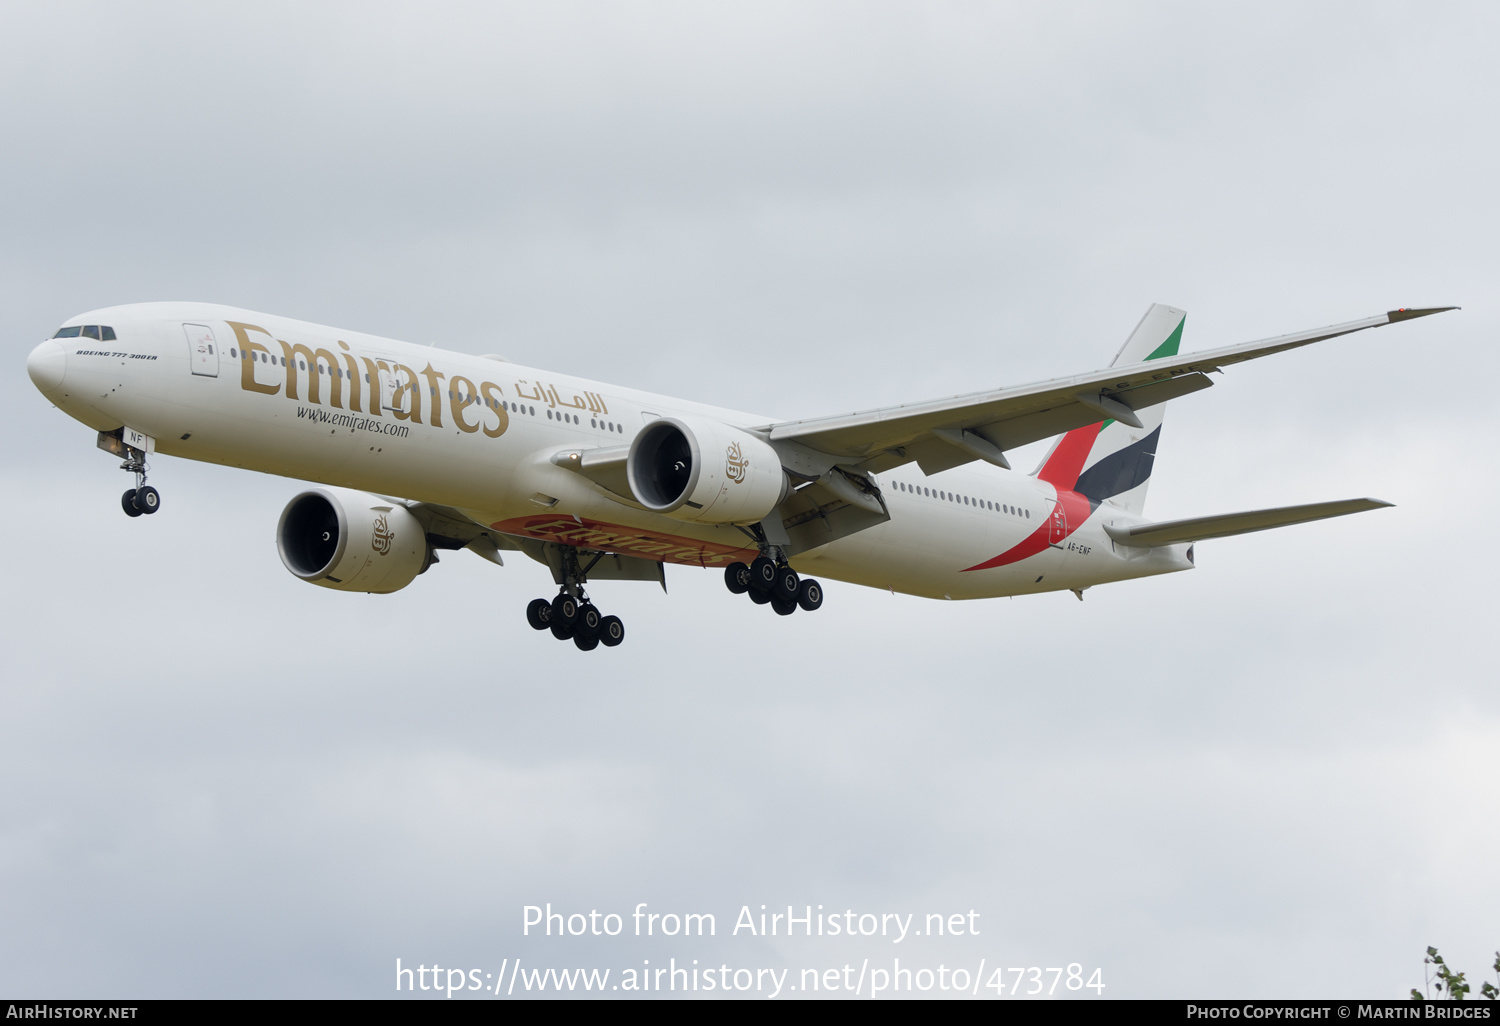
x: 945, y: 433
x: 447, y: 528
x: 450, y: 529
x: 1175, y: 532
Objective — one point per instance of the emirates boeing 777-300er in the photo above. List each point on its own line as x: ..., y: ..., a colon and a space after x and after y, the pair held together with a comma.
x: 414, y: 450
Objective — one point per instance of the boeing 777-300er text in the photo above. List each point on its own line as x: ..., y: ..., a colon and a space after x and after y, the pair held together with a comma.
x: 416, y: 450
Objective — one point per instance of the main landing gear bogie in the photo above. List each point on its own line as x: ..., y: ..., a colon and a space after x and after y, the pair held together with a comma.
x: 575, y: 617
x: 771, y: 582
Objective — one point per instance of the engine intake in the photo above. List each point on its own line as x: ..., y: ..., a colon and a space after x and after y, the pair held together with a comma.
x: 706, y: 472
x: 350, y: 541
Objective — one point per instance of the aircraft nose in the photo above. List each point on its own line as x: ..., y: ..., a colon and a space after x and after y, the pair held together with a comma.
x: 46, y: 365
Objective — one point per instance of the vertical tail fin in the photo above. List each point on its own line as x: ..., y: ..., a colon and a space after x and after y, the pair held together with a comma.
x: 1110, y: 460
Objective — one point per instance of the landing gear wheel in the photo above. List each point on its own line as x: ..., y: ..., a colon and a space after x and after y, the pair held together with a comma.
x: 787, y: 583
x: 611, y: 631
x: 809, y: 594
x: 564, y: 609
x: 737, y: 578
x: 147, y: 499
x: 760, y: 598
x: 762, y: 574
x: 783, y: 607
x: 127, y: 503
x: 539, y: 614
x: 570, y: 614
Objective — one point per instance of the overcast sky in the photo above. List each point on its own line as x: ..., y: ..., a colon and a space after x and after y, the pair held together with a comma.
x: 1273, y: 776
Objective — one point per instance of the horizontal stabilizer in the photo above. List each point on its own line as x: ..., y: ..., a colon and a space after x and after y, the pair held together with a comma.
x: 1174, y: 532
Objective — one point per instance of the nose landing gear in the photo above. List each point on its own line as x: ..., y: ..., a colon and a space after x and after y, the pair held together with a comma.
x: 142, y: 499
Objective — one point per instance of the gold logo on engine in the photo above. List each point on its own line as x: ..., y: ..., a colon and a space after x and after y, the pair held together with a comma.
x: 735, y: 463
x: 382, y: 536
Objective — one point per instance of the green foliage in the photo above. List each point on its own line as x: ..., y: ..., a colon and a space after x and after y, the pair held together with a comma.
x: 1441, y: 978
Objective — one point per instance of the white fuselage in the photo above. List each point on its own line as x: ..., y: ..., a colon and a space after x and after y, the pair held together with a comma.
x: 285, y: 397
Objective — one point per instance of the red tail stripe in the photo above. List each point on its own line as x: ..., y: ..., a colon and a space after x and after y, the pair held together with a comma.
x: 1076, y: 510
x: 1028, y: 546
x: 1066, y: 462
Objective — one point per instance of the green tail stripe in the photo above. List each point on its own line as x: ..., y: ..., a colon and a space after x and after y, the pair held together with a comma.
x: 1167, y: 348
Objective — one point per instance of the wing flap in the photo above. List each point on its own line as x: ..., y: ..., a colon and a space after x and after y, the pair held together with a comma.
x: 1142, y: 396
x: 447, y: 528
x: 1175, y: 532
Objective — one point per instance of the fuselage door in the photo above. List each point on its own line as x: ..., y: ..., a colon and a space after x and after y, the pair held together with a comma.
x: 203, y: 349
x: 388, y: 392
x: 1057, y: 524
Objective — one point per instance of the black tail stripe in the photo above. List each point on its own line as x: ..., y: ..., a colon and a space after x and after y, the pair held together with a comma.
x: 1120, y: 471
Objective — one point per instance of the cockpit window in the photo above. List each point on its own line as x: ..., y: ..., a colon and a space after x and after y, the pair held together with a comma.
x: 102, y: 332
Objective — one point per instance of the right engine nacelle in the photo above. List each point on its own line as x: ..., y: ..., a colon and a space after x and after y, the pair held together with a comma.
x: 350, y: 541
x: 706, y: 472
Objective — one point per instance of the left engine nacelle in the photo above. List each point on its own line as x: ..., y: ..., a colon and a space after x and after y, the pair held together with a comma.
x: 350, y: 541
x: 704, y: 471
